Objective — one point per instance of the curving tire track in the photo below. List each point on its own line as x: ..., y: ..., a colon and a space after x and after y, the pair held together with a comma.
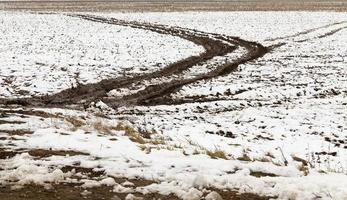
x: 214, y: 45
x: 159, y: 93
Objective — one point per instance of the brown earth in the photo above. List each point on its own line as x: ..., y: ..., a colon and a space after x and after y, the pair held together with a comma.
x: 70, y: 191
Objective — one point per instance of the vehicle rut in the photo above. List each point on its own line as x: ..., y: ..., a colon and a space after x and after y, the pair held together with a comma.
x: 214, y: 45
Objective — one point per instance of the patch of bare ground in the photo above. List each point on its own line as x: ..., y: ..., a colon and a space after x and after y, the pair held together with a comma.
x: 10, y: 122
x: 234, y: 195
x: 69, y: 191
x: 17, y: 132
x: 86, y: 171
x: 6, y: 154
x: 39, y: 153
x: 30, y: 113
x: 43, y: 153
x: 259, y: 174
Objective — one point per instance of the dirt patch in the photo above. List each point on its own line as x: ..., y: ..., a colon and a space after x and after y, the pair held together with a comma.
x: 40, y: 153
x: 30, y: 113
x: 234, y: 195
x: 4, y: 154
x: 10, y: 122
x: 70, y: 191
x: 19, y: 132
x: 43, y: 153
x: 259, y: 174
x: 86, y: 171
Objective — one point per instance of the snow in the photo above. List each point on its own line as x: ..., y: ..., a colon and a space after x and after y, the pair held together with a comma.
x: 47, y: 53
x: 108, y: 181
x: 192, y: 194
x: 90, y: 183
x: 289, y: 104
x: 25, y: 173
x: 213, y: 196
x: 253, y: 26
x: 132, y: 197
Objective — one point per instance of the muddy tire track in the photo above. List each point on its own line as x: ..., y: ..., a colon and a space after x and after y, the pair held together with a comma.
x: 214, y: 45
x: 159, y: 94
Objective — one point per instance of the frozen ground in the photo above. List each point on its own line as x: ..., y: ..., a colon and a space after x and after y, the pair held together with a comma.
x: 275, y: 127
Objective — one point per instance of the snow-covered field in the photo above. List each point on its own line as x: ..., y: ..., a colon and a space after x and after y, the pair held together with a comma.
x: 275, y: 127
x: 44, y: 54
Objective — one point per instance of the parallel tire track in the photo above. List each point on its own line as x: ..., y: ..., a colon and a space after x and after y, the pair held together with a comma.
x: 214, y: 44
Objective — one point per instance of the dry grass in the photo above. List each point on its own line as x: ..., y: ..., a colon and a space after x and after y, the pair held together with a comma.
x: 259, y: 174
x: 75, y: 122
x: 263, y: 159
x: 141, y: 136
x: 145, y: 148
x: 217, y: 154
x: 148, y: 149
x: 158, y: 141
x: 297, y: 159
x: 303, y: 167
x: 244, y: 157
x: 102, y: 128
x: 133, y: 135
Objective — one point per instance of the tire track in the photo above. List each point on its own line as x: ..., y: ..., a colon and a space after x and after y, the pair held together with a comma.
x: 157, y: 94
x: 214, y: 44
x: 307, y: 31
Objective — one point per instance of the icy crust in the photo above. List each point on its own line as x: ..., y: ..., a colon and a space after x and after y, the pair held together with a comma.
x: 46, y: 53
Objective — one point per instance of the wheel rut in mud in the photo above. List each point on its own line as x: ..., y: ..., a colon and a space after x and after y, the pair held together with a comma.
x: 159, y: 93
x: 214, y: 45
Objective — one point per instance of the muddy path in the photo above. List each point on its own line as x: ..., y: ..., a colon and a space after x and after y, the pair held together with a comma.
x: 214, y: 45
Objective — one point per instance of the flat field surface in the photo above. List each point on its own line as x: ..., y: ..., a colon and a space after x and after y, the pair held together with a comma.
x: 172, y: 105
x: 160, y: 5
